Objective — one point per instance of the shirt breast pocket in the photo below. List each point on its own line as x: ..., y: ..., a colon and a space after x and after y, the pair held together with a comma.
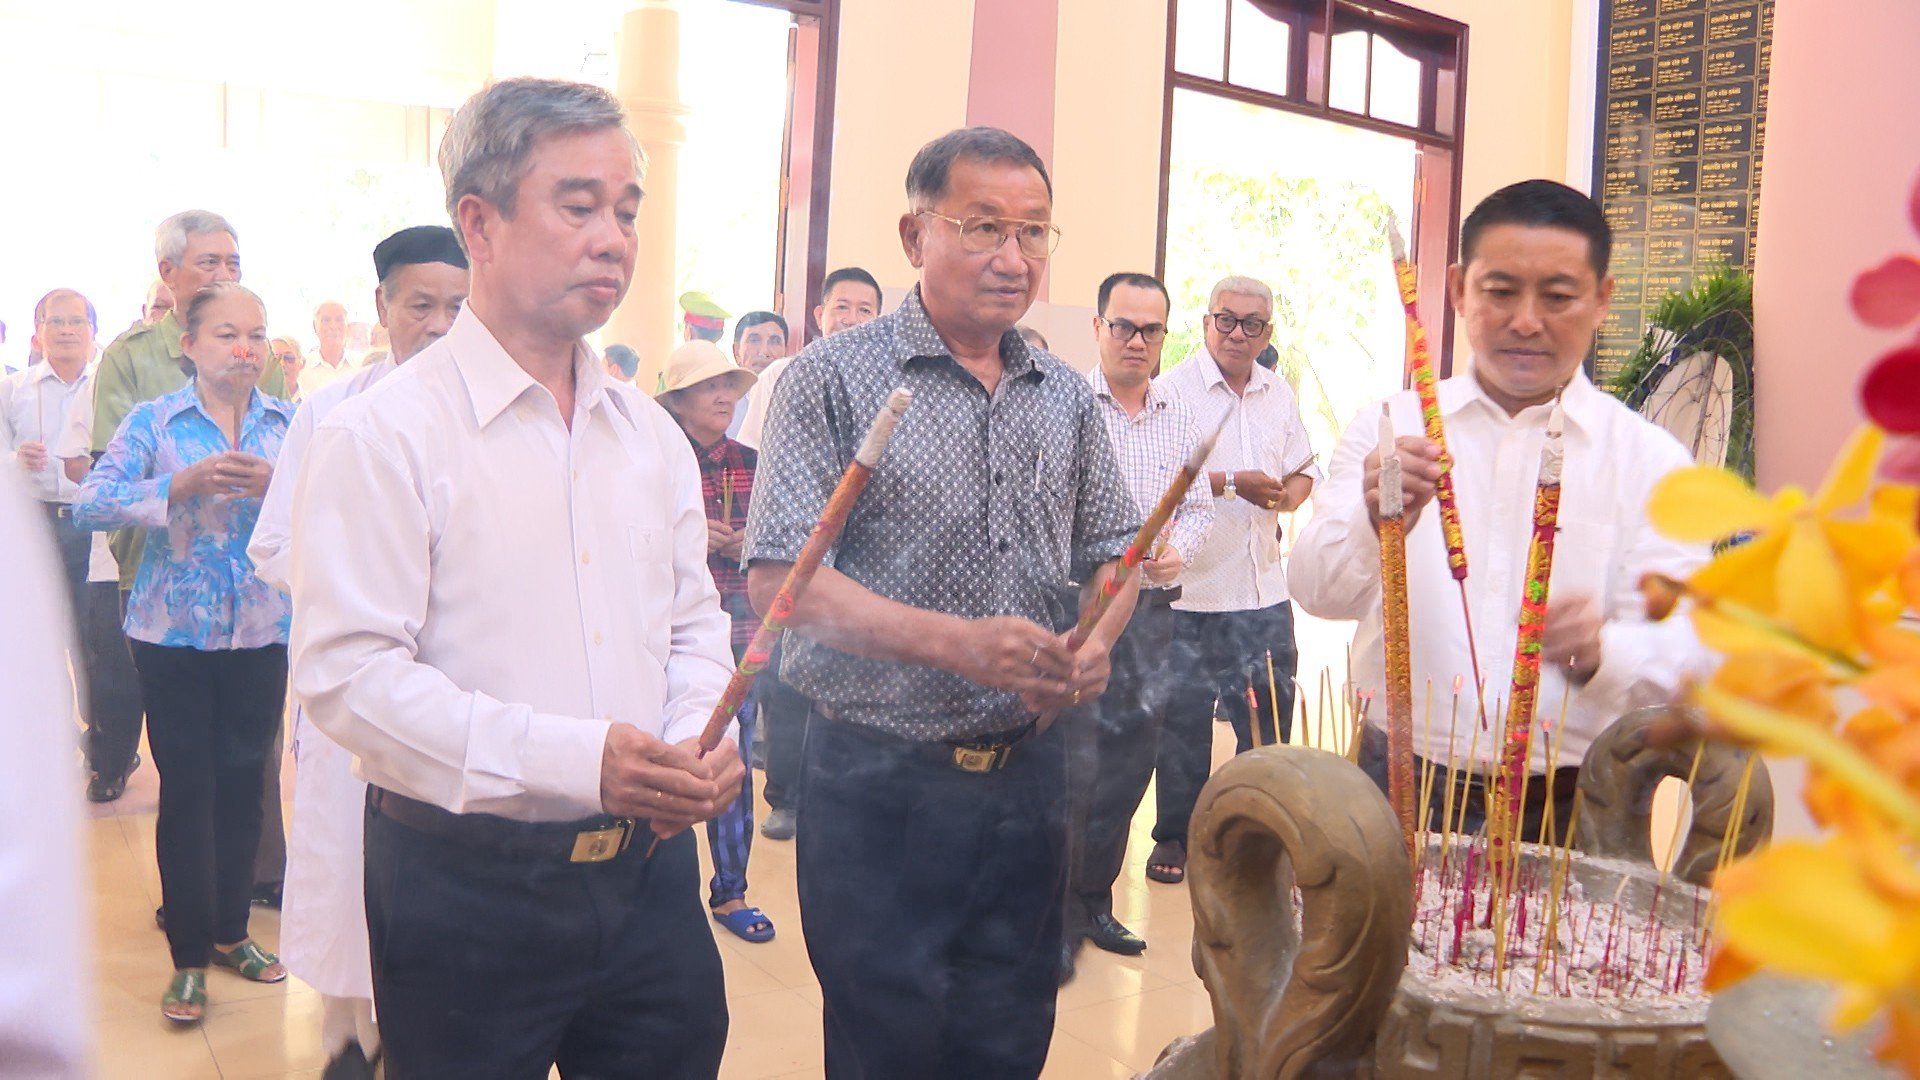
x: 651, y: 550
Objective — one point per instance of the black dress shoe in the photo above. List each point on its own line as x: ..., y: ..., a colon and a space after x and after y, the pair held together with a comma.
x: 160, y: 917
x: 349, y: 1064
x: 1107, y: 933
x: 1067, y: 952
x: 105, y: 789
x: 267, y: 896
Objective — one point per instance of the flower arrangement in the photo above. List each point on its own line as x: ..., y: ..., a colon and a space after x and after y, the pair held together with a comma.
x: 1822, y: 661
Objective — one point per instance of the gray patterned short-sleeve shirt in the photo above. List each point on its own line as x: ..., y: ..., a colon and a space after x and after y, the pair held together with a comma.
x: 980, y: 507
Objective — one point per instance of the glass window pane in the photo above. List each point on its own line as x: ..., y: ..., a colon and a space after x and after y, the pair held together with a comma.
x: 1396, y: 84
x: 1200, y: 38
x: 1347, y: 81
x: 1259, y: 50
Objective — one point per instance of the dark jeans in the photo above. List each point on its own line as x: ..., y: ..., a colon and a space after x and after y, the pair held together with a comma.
x: 1113, y: 745
x: 74, y: 545
x: 492, y: 966
x: 783, y: 724
x: 730, y: 835
x: 1216, y: 655
x: 113, y: 708
x: 931, y: 900
x: 270, y: 858
x: 210, y: 720
x: 1470, y: 791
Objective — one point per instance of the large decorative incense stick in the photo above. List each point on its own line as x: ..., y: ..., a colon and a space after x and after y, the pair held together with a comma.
x: 800, y: 574
x: 1503, y: 823
x: 1420, y: 365
x: 1143, y: 541
x: 1394, y: 629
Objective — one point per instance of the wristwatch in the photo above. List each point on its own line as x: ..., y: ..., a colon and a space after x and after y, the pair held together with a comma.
x: 1226, y: 489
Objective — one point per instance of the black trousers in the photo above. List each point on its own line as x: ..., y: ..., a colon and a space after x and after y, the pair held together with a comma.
x: 113, y: 708
x: 783, y: 724
x: 210, y: 719
x: 931, y: 900
x: 1112, y: 746
x: 1216, y: 656
x: 492, y: 966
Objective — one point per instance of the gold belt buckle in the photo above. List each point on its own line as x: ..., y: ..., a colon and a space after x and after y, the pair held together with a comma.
x: 599, y: 845
x: 975, y: 760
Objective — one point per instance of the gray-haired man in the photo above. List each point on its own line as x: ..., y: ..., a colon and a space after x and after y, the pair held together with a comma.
x: 505, y: 614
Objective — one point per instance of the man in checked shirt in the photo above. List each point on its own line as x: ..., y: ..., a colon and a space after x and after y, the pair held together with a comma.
x: 1113, y: 745
x: 931, y: 848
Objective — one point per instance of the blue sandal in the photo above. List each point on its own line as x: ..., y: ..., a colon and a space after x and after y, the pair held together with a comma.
x: 748, y: 924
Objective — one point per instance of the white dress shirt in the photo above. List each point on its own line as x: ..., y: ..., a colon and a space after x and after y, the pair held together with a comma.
x: 1239, y: 567
x: 482, y: 591
x: 33, y: 408
x: 75, y: 440
x: 753, y: 424
x: 44, y: 1011
x: 316, y: 374
x: 273, y: 532
x: 1604, y: 545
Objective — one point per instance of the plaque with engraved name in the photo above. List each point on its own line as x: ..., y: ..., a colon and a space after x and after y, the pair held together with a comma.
x: 1681, y: 125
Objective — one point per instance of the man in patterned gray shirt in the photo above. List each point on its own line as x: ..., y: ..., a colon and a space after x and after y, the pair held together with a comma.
x: 931, y: 855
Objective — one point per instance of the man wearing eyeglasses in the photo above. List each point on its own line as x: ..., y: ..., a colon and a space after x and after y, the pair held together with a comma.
x: 1233, y: 612
x: 1113, y: 746
x: 931, y: 846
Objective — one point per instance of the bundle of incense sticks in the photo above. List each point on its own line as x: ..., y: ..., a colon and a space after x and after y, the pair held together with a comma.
x: 1420, y: 366
x: 1143, y: 541
x: 1395, y: 631
x: 825, y: 531
x: 1503, y: 821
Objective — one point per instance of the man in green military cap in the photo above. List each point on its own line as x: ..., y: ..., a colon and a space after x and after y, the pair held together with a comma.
x: 704, y: 319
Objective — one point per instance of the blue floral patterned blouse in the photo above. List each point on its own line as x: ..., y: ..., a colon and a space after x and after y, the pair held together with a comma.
x: 196, y: 587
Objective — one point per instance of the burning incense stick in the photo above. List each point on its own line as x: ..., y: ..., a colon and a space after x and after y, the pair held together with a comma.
x: 1273, y: 699
x: 1503, y: 825
x: 1253, y: 714
x: 1420, y: 365
x: 726, y: 497
x: 1396, y: 634
x: 1143, y: 540
x: 825, y: 531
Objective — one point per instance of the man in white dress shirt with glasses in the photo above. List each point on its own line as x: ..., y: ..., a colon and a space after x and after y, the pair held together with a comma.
x: 500, y: 568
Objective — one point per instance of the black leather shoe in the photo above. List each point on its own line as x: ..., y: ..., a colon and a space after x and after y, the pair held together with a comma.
x: 1107, y: 933
x: 105, y: 789
x: 349, y: 1064
x: 266, y: 896
x: 1067, y: 952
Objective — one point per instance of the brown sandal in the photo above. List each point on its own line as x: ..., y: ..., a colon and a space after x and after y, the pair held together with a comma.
x: 1168, y: 862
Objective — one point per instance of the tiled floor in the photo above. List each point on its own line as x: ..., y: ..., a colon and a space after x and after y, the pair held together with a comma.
x: 1114, y: 1018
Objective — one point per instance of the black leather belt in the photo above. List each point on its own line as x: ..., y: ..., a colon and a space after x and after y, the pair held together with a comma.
x: 59, y: 511
x: 1159, y: 597
x: 590, y: 840
x: 981, y: 754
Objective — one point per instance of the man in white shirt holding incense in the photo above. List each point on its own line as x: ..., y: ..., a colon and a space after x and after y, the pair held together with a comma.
x: 1531, y: 289
x: 500, y: 567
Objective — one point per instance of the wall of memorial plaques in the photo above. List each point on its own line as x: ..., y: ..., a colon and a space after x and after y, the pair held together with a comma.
x: 1682, y: 118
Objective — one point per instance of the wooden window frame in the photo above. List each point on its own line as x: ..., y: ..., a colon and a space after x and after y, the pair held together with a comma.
x: 1440, y: 137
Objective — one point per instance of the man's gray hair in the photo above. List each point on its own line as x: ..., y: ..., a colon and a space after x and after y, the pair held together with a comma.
x: 1240, y: 285
x: 488, y: 146
x: 170, y: 239
x: 927, y: 175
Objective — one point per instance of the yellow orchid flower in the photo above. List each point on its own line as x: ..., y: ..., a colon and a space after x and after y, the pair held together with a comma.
x: 1814, y: 909
x: 1804, y: 566
x: 1788, y: 682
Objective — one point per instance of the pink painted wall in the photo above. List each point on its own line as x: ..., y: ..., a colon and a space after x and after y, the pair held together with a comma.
x: 1843, y: 148
x: 1011, y: 82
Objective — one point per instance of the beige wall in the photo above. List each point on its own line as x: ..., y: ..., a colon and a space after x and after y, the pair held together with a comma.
x: 1843, y: 148
x: 902, y: 80
x: 1519, y: 68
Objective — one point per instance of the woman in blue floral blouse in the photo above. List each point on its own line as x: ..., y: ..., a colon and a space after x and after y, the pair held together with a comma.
x: 209, y: 638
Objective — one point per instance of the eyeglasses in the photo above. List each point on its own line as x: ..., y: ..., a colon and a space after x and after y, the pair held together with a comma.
x: 1122, y: 331
x: 62, y: 322
x: 982, y: 234
x: 1225, y: 322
